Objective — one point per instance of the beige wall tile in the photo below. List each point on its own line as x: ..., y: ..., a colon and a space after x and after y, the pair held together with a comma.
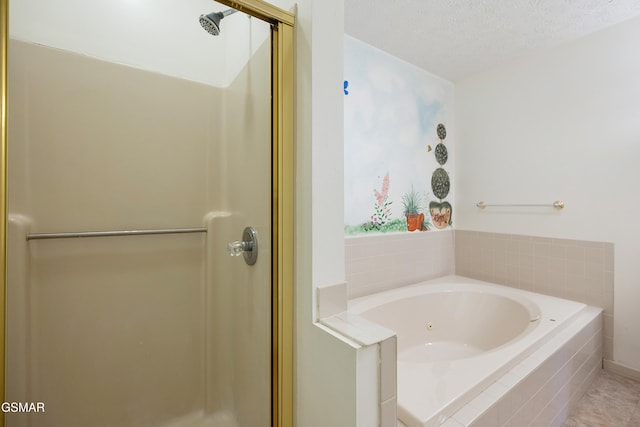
x: 381, y: 262
x: 579, y: 270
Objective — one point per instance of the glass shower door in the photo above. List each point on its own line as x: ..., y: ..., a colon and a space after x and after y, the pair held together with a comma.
x: 144, y: 122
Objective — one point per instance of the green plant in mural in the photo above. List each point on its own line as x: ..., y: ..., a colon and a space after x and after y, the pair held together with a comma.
x: 411, y: 203
x: 393, y: 226
x: 381, y: 209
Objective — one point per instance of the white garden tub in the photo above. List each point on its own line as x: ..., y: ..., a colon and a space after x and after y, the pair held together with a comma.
x: 456, y: 336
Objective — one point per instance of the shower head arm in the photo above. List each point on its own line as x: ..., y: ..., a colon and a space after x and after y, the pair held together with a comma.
x: 228, y: 12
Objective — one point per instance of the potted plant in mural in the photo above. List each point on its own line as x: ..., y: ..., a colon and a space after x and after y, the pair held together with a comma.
x: 411, y: 204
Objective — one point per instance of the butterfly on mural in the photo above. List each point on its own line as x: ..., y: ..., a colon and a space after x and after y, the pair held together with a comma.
x: 346, y: 86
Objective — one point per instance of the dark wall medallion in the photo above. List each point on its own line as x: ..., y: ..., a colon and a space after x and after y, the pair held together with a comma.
x: 442, y: 131
x: 440, y: 183
x: 441, y: 154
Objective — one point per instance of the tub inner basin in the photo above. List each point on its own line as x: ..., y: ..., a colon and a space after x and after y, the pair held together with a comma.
x: 453, y: 325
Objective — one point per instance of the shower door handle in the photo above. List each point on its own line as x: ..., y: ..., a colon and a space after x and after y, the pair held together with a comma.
x: 247, y: 247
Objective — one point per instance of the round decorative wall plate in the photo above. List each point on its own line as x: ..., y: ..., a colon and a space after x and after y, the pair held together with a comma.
x: 442, y: 131
x: 441, y: 154
x: 440, y: 183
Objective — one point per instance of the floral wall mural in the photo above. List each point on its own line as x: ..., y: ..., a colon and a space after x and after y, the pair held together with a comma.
x: 398, y: 148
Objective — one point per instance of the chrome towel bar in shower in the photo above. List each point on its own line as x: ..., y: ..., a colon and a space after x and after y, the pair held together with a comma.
x: 558, y: 204
x: 69, y: 235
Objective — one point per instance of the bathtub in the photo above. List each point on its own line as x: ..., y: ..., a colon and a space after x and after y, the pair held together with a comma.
x: 456, y: 336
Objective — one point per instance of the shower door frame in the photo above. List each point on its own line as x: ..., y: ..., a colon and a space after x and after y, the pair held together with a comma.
x: 4, y: 41
x: 282, y: 204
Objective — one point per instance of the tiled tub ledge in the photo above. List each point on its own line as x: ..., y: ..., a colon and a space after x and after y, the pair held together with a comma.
x: 542, y: 389
x: 376, y: 383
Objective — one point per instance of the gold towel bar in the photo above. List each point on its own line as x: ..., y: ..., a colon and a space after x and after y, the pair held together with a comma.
x: 558, y: 204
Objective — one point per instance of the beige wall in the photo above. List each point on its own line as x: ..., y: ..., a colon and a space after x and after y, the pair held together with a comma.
x: 120, y: 329
x: 326, y: 371
x: 140, y: 137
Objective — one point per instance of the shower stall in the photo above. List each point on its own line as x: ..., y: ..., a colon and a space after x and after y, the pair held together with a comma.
x: 149, y: 207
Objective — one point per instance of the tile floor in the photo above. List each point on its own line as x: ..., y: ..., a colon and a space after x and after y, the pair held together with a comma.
x: 611, y: 401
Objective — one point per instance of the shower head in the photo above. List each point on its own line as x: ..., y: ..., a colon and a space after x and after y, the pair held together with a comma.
x: 211, y: 22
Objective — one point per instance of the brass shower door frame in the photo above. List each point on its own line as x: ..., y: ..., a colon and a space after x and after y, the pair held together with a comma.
x: 4, y: 40
x: 282, y: 146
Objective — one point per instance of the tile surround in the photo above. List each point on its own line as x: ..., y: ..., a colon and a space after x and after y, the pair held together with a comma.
x: 388, y: 381
x: 381, y: 262
x: 331, y: 300
x: 578, y: 270
x: 378, y: 346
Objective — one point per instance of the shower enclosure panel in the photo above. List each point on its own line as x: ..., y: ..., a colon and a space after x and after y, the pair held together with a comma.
x: 153, y: 330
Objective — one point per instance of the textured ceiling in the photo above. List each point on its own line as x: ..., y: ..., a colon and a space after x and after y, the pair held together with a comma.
x: 458, y: 38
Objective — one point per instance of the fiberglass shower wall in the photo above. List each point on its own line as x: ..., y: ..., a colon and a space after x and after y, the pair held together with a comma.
x: 138, y: 330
